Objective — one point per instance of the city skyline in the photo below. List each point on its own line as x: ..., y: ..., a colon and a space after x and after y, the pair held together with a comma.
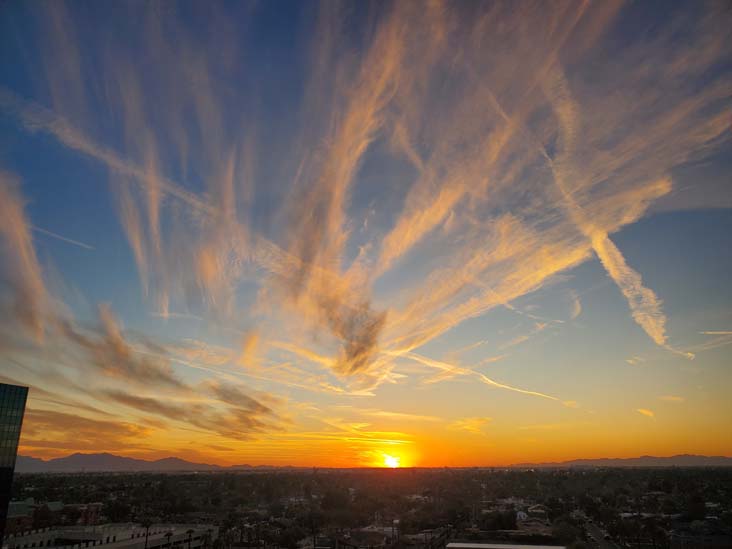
x: 353, y: 234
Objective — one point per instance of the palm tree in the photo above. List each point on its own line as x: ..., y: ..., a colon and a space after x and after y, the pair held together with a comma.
x: 190, y: 533
x: 147, y: 523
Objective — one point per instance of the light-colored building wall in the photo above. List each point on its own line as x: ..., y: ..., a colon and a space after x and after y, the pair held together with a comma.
x: 116, y: 536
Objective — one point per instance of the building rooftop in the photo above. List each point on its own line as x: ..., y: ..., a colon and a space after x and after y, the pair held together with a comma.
x: 19, y: 509
x: 111, y: 536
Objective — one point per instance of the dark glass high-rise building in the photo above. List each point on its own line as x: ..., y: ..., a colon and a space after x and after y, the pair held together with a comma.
x: 12, y: 408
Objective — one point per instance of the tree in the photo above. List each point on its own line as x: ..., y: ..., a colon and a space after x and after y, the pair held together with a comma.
x: 116, y: 511
x: 312, y: 521
x: 276, y: 509
x: 564, y: 531
x: 695, y: 509
x: 290, y: 536
x: 335, y: 499
x: 146, y: 523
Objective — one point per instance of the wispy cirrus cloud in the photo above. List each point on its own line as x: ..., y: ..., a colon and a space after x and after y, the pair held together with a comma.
x: 646, y: 412
x: 62, y: 238
x: 242, y: 419
x: 473, y: 425
x: 20, y: 271
x: 644, y: 304
x: 48, y: 433
x: 385, y: 77
x: 110, y: 352
x: 451, y: 371
x: 576, y: 306
x: 721, y: 339
x: 388, y: 414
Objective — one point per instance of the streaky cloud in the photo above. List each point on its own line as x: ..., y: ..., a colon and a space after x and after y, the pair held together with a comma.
x: 20, y: 269
x: 646, y: 412
x: 62, y: 238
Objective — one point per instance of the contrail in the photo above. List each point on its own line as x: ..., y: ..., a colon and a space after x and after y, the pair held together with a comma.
x: 34, y: 118
x: 445, y: 367
x: 62, y: 238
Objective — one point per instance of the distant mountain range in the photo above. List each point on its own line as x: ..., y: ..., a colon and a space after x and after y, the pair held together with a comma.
x: 684, y: 460
x: 112, y: 463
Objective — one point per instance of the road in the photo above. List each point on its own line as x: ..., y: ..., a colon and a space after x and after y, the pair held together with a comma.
x: 600, y: 542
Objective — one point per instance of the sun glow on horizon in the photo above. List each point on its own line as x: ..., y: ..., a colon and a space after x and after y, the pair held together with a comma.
x: 392, y: 462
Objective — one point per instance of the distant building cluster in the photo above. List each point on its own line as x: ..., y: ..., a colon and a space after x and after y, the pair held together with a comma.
x: 28, y: 514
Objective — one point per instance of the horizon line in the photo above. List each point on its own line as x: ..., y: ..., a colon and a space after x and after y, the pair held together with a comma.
x: 527, y: 464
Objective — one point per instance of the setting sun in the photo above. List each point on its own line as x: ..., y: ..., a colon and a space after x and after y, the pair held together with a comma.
x: 391, y: 461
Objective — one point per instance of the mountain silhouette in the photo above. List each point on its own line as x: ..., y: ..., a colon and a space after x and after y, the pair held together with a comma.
x: 682, y: 460
x: 106, y: 462
x: 111, y: 463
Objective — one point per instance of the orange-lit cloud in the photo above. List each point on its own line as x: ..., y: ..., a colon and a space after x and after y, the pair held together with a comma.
x: 472, y: 425
x: 21, y: 270
x: 672, y: 398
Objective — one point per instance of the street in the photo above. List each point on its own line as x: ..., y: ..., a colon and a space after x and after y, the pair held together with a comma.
x: 600, y: 541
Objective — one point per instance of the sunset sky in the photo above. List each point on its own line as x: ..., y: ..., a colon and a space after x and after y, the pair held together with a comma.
x: 356, y: 234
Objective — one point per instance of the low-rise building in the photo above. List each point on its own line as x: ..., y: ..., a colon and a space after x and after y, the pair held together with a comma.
x: 538, y: 511
x: 20, y: 516
x: 28, y: 514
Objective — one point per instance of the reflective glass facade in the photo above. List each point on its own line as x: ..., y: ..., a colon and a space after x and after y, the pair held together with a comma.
x: 12, y: 407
